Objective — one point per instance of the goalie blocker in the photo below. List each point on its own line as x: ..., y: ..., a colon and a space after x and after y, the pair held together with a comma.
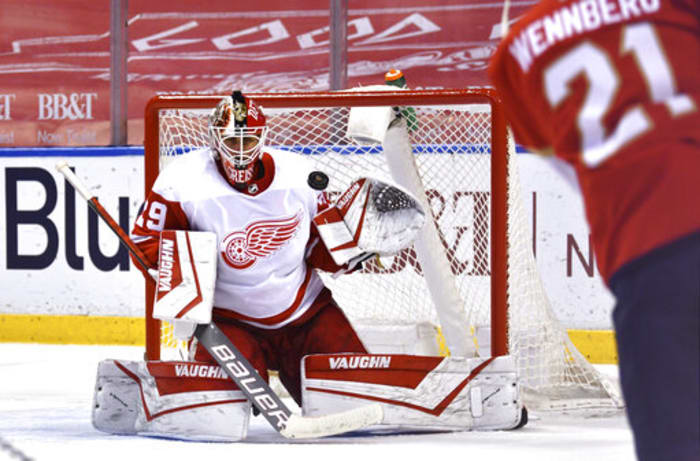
x: 186, y: 279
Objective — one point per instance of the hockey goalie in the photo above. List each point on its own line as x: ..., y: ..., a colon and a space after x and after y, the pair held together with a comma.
x: 237, y: 234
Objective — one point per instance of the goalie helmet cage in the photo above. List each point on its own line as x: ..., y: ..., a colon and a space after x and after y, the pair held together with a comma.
x: 463, y: 160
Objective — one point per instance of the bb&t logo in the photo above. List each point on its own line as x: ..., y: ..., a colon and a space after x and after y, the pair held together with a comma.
x: 61, y: 106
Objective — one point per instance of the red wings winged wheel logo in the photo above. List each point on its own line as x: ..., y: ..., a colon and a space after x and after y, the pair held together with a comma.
x: 260, y: 239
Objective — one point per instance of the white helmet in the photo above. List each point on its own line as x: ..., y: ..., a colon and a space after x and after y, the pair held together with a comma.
x: 237, y: 132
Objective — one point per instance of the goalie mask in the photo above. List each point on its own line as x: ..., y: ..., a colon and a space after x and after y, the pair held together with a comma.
x: 236, y: 132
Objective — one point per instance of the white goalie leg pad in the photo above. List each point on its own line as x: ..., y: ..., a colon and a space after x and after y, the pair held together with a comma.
x: 180, y: 400
x: 416, y: 392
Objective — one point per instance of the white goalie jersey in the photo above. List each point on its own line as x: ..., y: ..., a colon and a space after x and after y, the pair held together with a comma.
x: 264, y: 233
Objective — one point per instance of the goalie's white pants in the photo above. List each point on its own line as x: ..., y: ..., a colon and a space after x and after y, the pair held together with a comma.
x: 181, y: 400
x: 416, y: 392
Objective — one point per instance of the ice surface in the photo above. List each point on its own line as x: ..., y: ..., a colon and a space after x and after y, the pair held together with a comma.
x: 46, y: 397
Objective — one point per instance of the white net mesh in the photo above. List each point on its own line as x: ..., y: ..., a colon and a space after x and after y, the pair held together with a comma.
x: 451, y: 148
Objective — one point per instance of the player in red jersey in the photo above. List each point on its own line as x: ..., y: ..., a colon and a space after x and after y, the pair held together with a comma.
x: 612, y: 87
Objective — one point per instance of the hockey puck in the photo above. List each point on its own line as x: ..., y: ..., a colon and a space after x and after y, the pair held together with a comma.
x: 318, y: 180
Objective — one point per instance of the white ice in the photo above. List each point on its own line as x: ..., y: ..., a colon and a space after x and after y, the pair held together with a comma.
x: 46, y: 398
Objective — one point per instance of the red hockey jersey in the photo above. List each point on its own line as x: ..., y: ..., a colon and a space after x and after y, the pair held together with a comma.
x: 612, y: 87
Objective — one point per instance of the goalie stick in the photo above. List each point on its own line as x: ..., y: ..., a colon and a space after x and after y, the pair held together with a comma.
x: 235, y: 365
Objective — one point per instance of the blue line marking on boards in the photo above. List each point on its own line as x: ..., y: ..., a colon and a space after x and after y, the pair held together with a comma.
x: 108, y: 151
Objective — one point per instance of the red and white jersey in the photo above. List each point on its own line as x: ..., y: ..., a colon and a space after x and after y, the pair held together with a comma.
x: 264, y: 276
x: 612, y: 87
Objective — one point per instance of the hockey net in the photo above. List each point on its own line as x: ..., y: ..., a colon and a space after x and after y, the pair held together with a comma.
x: 460, y: 151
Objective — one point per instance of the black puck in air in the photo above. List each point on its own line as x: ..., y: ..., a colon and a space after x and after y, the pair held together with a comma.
x: 318, y: 180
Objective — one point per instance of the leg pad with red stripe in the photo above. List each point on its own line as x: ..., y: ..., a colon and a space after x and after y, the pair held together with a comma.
x: 416, y: 392
x: 180, y: 400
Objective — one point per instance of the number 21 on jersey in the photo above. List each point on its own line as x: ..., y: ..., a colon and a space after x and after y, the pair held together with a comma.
x: 594, y: 63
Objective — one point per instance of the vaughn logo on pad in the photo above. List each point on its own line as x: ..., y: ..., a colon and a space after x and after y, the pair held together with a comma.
x: 200, y: 371
x: 166, y: 266
x: 354, y: 362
